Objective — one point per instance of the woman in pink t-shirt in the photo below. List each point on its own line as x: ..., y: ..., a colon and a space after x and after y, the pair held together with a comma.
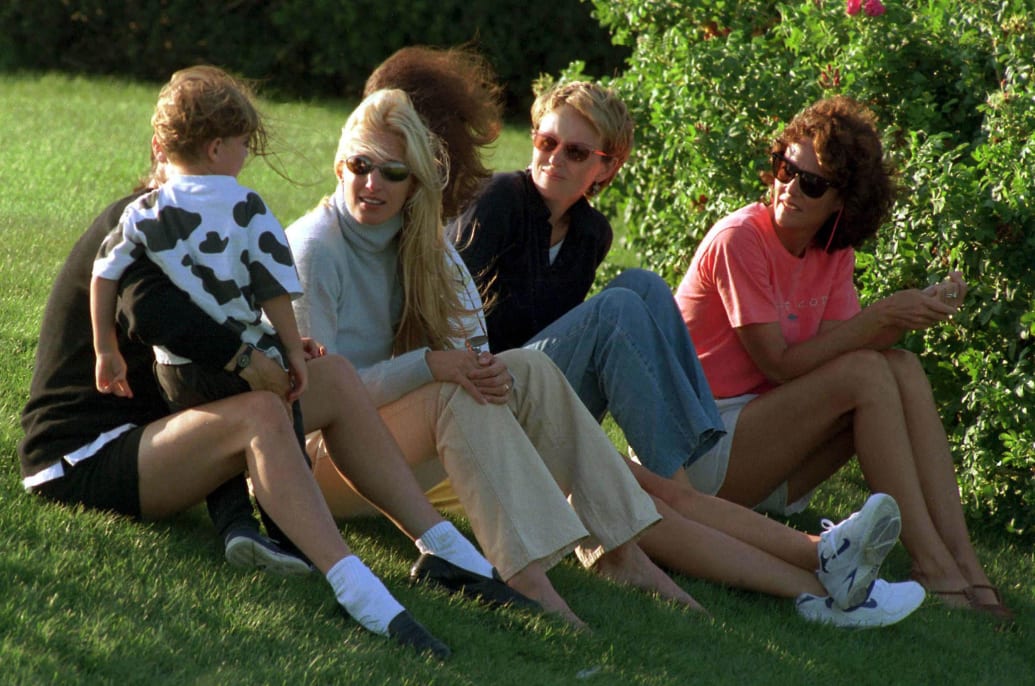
x: 804, y: 377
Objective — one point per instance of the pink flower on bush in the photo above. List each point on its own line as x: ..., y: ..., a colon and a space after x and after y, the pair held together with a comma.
x: 873, y: 8
x: 852, y: 7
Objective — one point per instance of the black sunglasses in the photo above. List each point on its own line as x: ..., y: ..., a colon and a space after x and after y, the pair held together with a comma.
x: 812, y: 185
x: 361, y: 165
x: 576, y: 152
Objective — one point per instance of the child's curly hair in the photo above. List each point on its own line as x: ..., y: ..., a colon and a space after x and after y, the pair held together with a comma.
x: 200, y: 104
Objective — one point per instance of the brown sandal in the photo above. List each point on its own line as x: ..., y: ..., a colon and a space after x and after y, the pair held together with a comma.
x: 963, y: 598
x: 1001, y: 613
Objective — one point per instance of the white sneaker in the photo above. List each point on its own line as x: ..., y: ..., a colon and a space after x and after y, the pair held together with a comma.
x: 850, y: 553
x: 886, y: 605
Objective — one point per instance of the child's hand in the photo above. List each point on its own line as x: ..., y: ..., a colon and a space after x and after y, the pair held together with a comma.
x: 312, y: 348
x: 299, y: 374
x: 111, y: 375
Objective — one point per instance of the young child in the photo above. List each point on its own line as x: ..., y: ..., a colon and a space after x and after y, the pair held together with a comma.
x: 218, y: 242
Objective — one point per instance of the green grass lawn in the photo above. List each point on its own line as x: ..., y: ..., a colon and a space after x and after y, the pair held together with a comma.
x: 94, y: 598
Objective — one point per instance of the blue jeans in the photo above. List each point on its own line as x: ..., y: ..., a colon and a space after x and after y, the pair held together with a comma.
x: 626, y: 350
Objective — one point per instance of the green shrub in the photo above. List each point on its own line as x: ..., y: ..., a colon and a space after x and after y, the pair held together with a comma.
x: 951, y: 82
x: 305, y: 48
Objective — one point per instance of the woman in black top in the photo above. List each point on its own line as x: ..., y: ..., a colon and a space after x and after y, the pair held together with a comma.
x: 533, y: 242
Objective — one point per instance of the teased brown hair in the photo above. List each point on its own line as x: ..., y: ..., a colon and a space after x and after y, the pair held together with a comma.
x: 455, y: 91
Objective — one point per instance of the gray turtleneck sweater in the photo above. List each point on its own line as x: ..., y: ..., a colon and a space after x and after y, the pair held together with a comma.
x: 353, y: 295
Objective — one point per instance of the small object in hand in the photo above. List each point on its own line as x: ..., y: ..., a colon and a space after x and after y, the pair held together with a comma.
x: 948, y: 292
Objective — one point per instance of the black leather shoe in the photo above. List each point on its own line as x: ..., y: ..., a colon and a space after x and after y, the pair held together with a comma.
x: 407, y: 631
x: 489, y: 590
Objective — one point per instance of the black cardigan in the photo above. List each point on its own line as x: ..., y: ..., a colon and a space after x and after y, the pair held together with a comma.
x: 504, y: 238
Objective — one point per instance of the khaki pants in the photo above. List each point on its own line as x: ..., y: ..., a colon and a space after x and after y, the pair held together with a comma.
x: 536, y: 477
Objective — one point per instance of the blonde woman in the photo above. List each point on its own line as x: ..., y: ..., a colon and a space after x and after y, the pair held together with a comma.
x: 382, y: 288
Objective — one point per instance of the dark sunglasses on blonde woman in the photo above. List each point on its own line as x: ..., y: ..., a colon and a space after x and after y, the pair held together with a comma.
x: 812, y: 185
x: 575, y: 152
x: 361, y: 165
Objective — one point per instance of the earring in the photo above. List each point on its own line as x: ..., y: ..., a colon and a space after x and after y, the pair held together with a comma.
x: 594, y: 188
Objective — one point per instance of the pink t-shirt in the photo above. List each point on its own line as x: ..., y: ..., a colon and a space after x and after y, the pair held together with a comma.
x: 742, y: 274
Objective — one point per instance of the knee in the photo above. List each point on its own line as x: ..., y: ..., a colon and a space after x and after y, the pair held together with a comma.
x: 520, y: 360
x: 645, y: 283
x: 535, y: 376
x: 261, y: 411
x: 332, y: 373
x: 904, y: 364
x: 864, y: 372
x: 620, y: 307
x: 524, y: 364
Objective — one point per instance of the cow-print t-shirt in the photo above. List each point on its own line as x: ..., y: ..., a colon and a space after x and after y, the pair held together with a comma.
x: 218, y: 242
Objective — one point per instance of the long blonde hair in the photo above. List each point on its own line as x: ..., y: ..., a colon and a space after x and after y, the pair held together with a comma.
x: 431, y: 305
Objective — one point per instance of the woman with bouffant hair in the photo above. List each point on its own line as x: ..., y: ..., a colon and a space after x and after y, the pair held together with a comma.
x: 806, y: 378
x: 464, y: 108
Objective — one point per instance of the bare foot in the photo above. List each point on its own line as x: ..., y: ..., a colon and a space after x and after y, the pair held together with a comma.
x: 629, y: 565
x: 533, y: 583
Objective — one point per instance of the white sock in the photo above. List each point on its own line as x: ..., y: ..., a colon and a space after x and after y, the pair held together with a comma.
x: 443, y: 540
x: 363, y: 595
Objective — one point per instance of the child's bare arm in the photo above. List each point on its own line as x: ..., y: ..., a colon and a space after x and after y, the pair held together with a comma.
x: 110, y: 371
x: 282, y: 317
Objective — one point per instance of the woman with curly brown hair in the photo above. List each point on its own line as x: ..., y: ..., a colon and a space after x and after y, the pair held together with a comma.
x: 805, y: 378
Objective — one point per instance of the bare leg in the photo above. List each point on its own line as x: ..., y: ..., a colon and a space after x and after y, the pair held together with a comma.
x: 823, y: 462
x: 185, y: 456
x: 935, y: 467
x: 688, y: 547
x: 765, y: 453
x: 361, y: 447
x: 861, y: 385
x: 720, y: 517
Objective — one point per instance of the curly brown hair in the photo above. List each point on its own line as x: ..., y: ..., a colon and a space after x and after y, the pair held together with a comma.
x: 456, y: 93
x: 844, y: 134
x: 201, y: 104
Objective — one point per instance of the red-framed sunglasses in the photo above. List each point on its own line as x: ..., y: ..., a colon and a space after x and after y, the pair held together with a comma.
x: 575, y: 152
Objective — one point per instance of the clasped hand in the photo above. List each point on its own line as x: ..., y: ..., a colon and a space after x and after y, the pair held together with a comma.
x: 483, y: 375
x: 916, y: 309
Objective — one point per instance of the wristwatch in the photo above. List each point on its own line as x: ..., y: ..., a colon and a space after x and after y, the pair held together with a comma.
x: 243, y: 360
